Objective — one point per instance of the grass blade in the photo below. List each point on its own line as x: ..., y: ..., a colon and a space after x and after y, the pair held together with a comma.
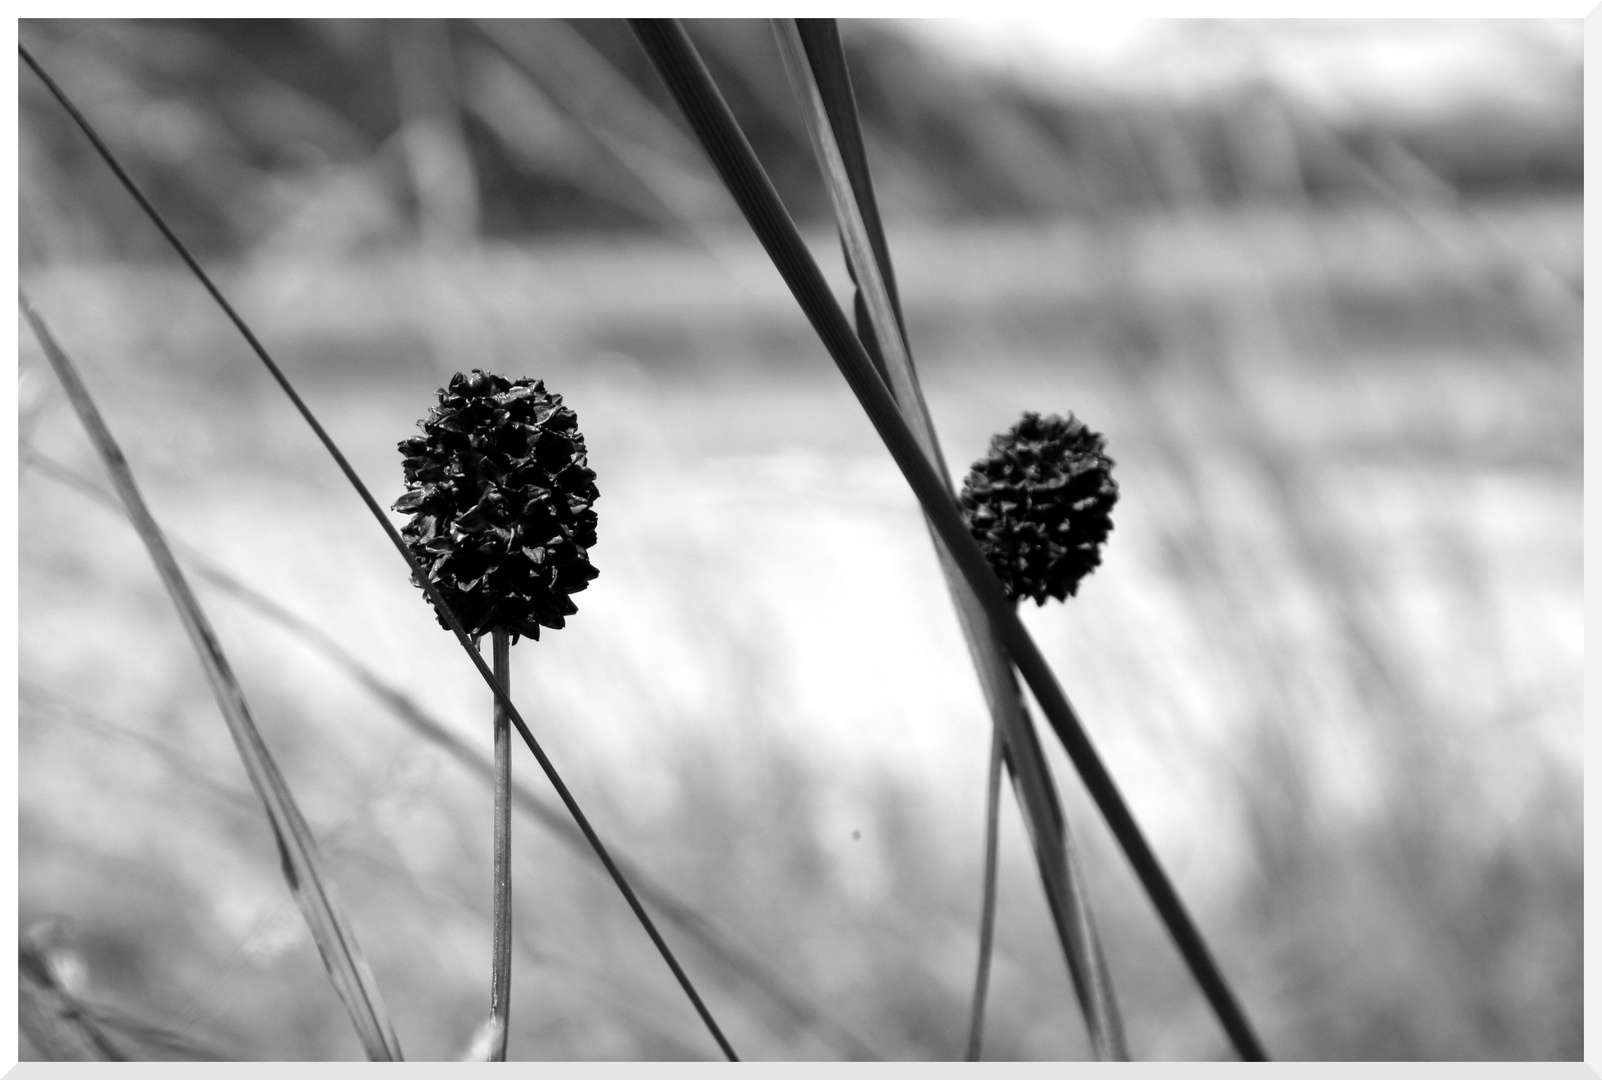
x: 987, y: 916
x: 813, y: 55
x: 686, y: 77
x: 300, y: 860
x: 390, y: 531
x: 786, y: 999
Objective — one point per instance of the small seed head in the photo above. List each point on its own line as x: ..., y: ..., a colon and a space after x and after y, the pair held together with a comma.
x: 501, y: 495
x: 1040, y: 505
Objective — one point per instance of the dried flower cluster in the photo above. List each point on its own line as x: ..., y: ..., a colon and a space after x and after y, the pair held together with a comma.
x: 501, y: 497
x: 1040, y: 505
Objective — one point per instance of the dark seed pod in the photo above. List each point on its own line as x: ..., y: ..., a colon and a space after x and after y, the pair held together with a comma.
x: 501, y: 498
x: 1040, y: 505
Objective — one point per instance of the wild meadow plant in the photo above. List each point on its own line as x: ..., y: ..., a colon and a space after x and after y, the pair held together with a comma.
x: 758, y: 976
x: 501, y: 497
x: 815, y: 62
x: 895, y: 418
x: 345, y: 964
x: 301, y: 860
x: 1039, y: 506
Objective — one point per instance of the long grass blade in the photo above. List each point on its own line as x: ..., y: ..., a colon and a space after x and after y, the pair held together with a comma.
x: 434, y: 896
x: 301, y: 862
x: 987, y: 910
x: 686, y: 77
x: 786, y: 999
x: 429, y: 589
x: 812, y: 54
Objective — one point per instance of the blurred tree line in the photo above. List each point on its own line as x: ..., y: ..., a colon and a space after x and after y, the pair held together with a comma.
x: 326, y: 137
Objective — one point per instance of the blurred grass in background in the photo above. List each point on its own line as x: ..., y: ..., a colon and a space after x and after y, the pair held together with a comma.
x: 1333, y: 654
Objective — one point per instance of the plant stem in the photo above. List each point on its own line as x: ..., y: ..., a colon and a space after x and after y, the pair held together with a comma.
x: 501, y: 962
x: 785, y: 996
x: 815, y: 58
x: 440, y: 606
x: 299, y: 858
x: 687, y: 79
x: 987, y: 914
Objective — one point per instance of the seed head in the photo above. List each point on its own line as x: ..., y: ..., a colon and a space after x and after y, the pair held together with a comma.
x: 1040, y: 505
x: 501, y: 496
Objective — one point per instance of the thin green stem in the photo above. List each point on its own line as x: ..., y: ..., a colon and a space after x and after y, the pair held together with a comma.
x: 501, y: 962
x: 987, y: 913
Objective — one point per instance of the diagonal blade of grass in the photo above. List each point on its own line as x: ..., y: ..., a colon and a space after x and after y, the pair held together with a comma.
x: 429, y: 589
x: 686, y: 77
x: 812, y: 53
x: 833, y: 115
x: 788, y: 1000
x: 987, y: 912
x: 302, y: 864
x: 435, y: 895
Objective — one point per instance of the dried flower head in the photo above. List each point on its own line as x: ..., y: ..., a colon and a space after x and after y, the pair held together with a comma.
x: 1040, y: 505
x: 501, y: 497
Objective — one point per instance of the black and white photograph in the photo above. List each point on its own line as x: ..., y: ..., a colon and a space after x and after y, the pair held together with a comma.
x: 800, y: 540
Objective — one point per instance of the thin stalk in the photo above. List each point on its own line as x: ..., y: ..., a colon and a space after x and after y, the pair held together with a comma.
x: 300, y: 859
x: 429, y: 589
x: 812, y: 52
x: 790, y: 1000
x: 197, y: 773
x: 686, y: 77
x: 987, y: 912
x: 501, y: 946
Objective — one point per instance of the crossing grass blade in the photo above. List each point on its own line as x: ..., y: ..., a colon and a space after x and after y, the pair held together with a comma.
x: 429, y: 588
x: 300, y: 860
x: 783, y: 998
x: 816, y: 62
x: 687, y: 79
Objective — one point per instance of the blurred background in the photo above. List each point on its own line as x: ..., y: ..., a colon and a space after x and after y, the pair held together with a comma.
x: 1318, y: 283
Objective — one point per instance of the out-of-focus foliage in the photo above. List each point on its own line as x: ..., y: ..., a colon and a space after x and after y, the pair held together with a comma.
x: 335, y: 134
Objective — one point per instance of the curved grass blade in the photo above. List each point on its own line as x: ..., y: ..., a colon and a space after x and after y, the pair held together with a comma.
x: 686, y: 77
x: 301, y: 862
x: 429, y: 589
x: 814, y: 57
